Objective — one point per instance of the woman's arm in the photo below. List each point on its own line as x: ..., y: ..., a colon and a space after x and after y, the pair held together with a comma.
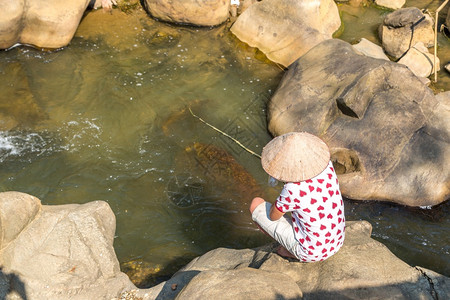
x: 274, y: 213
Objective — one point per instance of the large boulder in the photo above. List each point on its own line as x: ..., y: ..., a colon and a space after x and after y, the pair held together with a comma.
x: 193, y: 12
x: 404, y: 28
x: 378, y: 119
x: 362, y: 269
x: 286, y: 29
x: 50, y: 251
x: 44, y: 24
x: 48, y: 24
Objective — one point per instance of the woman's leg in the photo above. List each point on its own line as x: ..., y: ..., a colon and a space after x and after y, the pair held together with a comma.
x: 280, y: 250
x: 255, y: 202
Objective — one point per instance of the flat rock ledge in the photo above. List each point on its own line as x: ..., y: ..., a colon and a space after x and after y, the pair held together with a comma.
x: 66, y: 252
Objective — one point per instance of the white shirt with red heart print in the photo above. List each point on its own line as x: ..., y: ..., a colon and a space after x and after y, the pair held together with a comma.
x: 317, y: 213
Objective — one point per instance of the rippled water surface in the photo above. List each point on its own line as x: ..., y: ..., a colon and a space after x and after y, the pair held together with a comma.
x: 107, y: 118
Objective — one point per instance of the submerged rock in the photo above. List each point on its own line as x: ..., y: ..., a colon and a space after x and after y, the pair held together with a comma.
x: 19, y: 108
x: 404, y: 28
x: 221, y: 167
x: 376, y: 116
x: 286, y: 29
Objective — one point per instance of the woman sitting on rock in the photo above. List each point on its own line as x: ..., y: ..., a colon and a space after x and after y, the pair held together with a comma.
x: 315, y: 229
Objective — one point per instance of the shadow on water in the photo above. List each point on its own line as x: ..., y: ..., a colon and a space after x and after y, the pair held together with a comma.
x: 11, y: 286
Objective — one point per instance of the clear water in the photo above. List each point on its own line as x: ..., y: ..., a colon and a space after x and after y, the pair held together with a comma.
x: 107, y: 118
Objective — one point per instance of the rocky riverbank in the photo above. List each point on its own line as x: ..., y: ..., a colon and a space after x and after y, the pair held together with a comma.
x: 66, y: 252
x: 388, y: 132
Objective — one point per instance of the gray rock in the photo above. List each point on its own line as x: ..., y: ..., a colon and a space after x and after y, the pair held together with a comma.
x: 195, y: 12
x: 286, y: 29
x: 404, y: 28
x: 367, y: 48
x: 375, y: 115
x: 438, y: 123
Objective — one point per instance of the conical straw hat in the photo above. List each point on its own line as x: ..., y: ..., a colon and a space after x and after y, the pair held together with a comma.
x: 295, y: 156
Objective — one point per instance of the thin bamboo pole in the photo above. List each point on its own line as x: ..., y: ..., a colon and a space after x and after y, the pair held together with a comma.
x: 225, y: 134
x: 435, y: 37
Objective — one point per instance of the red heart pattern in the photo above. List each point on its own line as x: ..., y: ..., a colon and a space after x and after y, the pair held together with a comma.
x: 318, y: 225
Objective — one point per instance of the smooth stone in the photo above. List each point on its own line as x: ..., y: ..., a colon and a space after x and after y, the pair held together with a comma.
x: 367, y: 48
x: 286, y: 29
x: 193, y: 12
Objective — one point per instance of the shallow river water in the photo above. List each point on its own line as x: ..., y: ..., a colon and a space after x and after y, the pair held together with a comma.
x: 107, y: 118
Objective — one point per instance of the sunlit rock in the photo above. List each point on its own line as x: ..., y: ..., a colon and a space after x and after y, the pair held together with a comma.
x: 193, y: 12
x: 236, y: 284
x: 393, y: 4
x: 362, y: 269
x: 379, y: 116
x: 286, y: 29
x: 49, y: 251
x: 419, y: 60
x: 370, y: 49
x: 46, y: 25
x: 403, y: 29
